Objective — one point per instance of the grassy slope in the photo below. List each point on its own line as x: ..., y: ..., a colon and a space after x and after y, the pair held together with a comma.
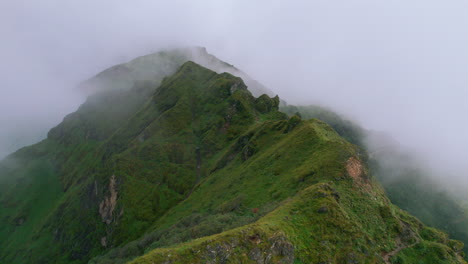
x: 345, y: 128
x: 332, y: 218
x: 406, y: 185
x: 47, y: 182
x: 412, y: 191
x: 25, y: 206
x: 311, y: 152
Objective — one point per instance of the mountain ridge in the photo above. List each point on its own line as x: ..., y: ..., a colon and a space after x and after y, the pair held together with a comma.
x: 153, y: 167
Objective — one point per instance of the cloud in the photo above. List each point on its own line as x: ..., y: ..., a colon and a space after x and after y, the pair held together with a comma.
x: 397, y: 66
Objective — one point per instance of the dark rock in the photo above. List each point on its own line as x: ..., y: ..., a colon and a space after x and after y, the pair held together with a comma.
x: 321, y: 194
x: 283, y: 248
x: 352, y: 259
x: 248, y: 151
x: 218, y: 253
x: 19, y: 221
x: 336, y: 195
x: 322, y: 210
x: 256, y: 255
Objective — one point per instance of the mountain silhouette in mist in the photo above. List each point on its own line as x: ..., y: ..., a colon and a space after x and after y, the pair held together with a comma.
x: 178, y: 157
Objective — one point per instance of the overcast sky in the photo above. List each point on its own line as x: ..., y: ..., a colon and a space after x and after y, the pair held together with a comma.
x: 393, y: 65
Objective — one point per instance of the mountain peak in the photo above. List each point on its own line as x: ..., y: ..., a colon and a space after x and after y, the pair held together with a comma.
x: 156, y: 66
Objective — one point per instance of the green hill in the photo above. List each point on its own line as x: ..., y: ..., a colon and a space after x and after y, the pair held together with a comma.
x: 195, y: 169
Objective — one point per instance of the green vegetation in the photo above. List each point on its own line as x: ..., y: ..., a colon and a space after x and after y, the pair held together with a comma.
x: 345, y: 128
x: 158, y: 144
x: 337, y: 221
x: 416, y: 193
x: 406, y: 184
x: 195, y: 169
x: 25, y: 205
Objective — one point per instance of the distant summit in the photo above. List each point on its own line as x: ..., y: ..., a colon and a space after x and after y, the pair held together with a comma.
x: 156, y: 66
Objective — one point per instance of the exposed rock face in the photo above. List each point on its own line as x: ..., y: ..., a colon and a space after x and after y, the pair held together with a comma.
x: 354, y: 168
x: 263, y: 250
x: 280, y: 251
x: 104, y: 241
x: 107, y: 206
x: 219, y: 253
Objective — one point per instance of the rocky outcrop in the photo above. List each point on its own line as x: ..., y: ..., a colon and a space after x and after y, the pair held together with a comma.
x: 263, y: 250
x: 107, y: 206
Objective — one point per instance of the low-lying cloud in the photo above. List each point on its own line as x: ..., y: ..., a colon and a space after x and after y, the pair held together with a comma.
x: 395, y: 66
